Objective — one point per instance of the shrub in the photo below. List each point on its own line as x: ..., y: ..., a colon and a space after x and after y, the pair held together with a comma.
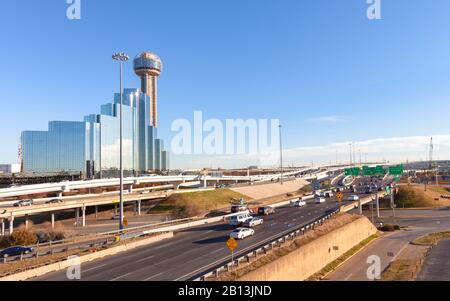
x: 20, y: 237
x: 389, y: 228
x: 52, y: 234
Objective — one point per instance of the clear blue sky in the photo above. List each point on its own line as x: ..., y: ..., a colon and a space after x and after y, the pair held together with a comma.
x: 296, y: 60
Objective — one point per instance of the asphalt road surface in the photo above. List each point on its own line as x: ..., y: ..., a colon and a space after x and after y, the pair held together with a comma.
x: 390, y: 245
x: 193, y: 250
x: 437, y: 264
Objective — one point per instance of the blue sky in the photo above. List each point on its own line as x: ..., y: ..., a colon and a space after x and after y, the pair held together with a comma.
x: 320, y: 66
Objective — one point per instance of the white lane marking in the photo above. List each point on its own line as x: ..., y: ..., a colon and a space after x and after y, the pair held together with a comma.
x: 93, y: 268
x: 151, y: 277
x: 125, y: 275
x: 145, y: 258
x: 229, y: 256
x: 215, y: 251
x: 346, y: 278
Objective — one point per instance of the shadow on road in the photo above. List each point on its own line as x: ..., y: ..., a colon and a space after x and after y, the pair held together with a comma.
x: 221, y: 239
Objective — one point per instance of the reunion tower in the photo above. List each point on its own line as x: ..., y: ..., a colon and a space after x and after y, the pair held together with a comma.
x: 148, y: 67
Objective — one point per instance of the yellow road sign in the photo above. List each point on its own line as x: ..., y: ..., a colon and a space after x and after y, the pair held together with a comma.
x: 339, y: 196
x: 125, y: 222
x: 232, y: 244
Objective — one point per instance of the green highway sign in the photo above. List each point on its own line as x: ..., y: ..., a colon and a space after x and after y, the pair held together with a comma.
x: 379, y: 170
x: 368, y: 171
x: 355, y: 171
x: 396, y: 170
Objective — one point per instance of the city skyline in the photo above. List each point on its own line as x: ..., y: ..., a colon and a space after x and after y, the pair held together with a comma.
x: 334, y: 79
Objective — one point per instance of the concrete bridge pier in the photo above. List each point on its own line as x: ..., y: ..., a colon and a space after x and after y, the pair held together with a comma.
x: 53, y: 220
x: 77, y: 216
x: 3, y: 228
x: 11, y: 225
x: 26, y: 221
x: 378, y: 205
x: 83, y: 216
x: 139, y: 207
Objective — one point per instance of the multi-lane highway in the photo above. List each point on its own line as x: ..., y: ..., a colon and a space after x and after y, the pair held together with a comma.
x: 194, y: 250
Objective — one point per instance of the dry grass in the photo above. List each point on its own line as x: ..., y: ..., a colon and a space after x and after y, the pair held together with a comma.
x: 431, y: 239
x: 410, y: 261
x: 407, y: 266
x: 198, y: 203
x: 411, y: 196
x: 330, y: 225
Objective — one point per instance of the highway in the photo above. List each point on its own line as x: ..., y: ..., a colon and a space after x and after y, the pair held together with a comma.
x: 193, y: 250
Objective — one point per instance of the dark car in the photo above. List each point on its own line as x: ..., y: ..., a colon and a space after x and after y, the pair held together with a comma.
x: 15, y: 251
x: 266, y: 210
x: 23, y: 203
x: 54, y: 201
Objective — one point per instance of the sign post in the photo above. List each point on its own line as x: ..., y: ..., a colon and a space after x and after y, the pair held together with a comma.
x: 232, y: 244
x: 339, y: 196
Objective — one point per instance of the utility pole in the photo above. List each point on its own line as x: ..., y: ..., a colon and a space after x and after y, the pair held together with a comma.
x: 281, y: 156
x: 121, y: 57
x: 351, y: 162
x: 360, y: 162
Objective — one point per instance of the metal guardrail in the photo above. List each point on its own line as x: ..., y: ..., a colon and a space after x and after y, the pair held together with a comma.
x: 264, y: 247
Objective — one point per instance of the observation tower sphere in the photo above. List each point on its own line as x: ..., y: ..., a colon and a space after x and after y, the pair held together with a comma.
x: 148, y: 67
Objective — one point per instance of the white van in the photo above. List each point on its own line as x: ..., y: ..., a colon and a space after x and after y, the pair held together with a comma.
x: 320, y: 200
x: 239, y: 219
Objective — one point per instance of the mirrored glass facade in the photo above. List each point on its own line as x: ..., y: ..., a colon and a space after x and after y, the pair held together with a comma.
x: 92, y: 145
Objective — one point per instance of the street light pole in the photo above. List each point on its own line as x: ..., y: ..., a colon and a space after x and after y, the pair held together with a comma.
x: 120, y: 57
x: 281, y: 156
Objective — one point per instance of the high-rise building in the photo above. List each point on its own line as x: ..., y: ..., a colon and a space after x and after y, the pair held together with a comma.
x: 91, y: 146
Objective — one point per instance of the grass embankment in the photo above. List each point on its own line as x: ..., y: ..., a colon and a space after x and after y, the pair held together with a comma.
x: 431, y: 239
x: 409, y: 265
x: 410, y: 196
x: 336, y: 263
x: 197, y: 203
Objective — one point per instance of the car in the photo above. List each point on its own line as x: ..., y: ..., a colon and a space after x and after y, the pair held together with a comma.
x: 266, y: 210
x: 239, y: 219
x: 16, y: 250
x: 241, y: 233
x: 54, y: 201
x: 300, y: 203
x: 255, y: 221
x: 23, y: 203
x: 238, y: 208
x: 352, y: 198
x: 320, y: 200
x: 116, y: 216
x: 328, y: 194
x: 145, y: 191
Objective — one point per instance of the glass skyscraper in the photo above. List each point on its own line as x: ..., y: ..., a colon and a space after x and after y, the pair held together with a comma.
x: 91, y: 146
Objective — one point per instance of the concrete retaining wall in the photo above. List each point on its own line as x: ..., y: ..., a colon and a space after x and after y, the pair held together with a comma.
x: 85, y: 258
x: 312, y: 257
